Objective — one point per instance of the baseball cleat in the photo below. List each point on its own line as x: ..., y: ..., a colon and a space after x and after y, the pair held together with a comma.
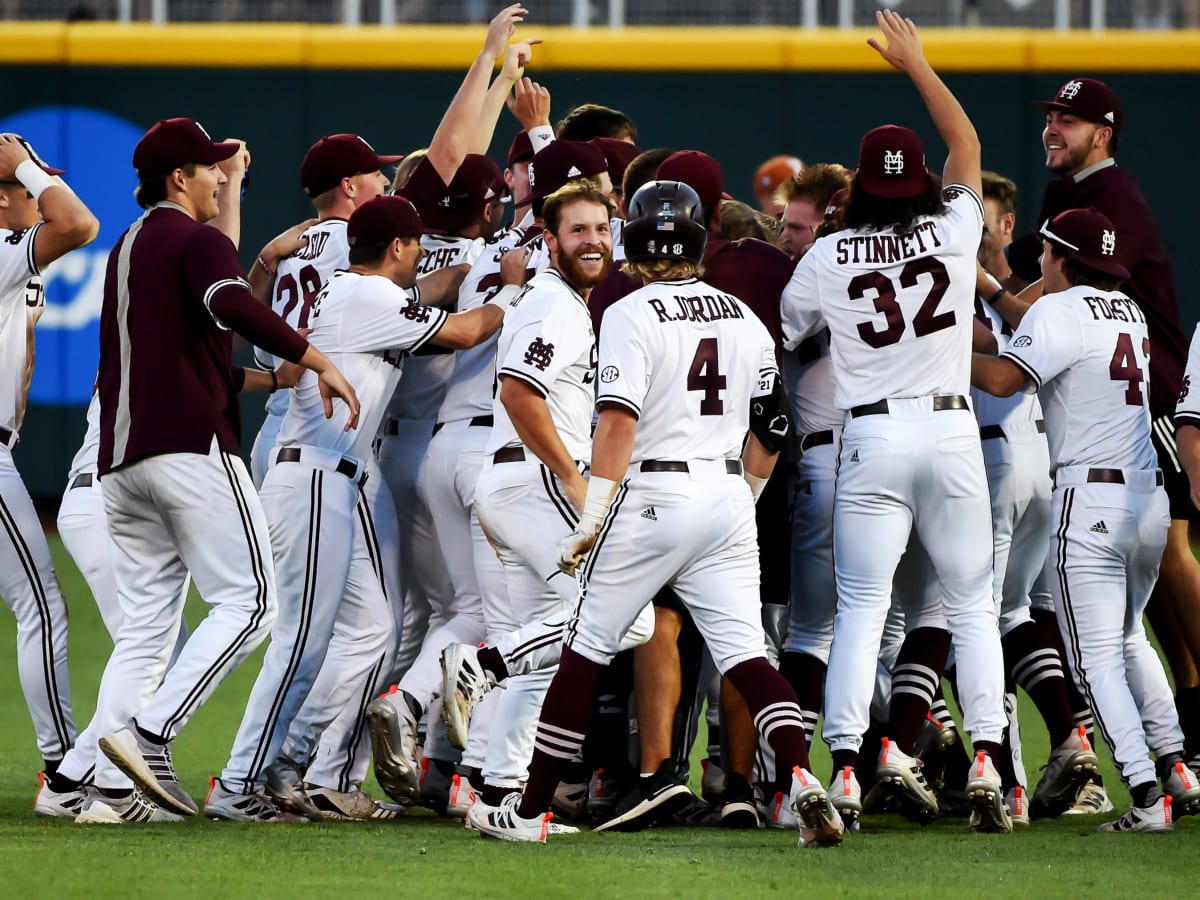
x: 504, y: 823
x: 394, y: 747
x: 1152, y: 819
x: 1018, y: 809
x: 49, y: 802
x: 934, y: 741
x: 989, y: 812
x: 285, y: 786
x: 778, y: 813
x: 464, y: 685
x: 1183, y: 790
x: 350, y: 806
x: 570, y: 800
x: 149, y: 766
x: 737, y: 804
x: 434, y: 784
x: 904, y: 775
x: 603, y: 793
x: 820, y: 824
x: 100, y: 809
x: 846, y: 796
x: 225, y: 805
x: 1091, y: 800
x: 462, y: 795
x: 652, y: 800
x: 1072, y: 763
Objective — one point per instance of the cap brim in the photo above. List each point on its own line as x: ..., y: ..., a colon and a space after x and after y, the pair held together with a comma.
x: 389, y: 160
x: 1054, y: 104
x: 218, y: 152
x: 1107, y: 266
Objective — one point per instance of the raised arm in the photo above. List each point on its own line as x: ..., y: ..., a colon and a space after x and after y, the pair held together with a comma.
x: 516, y: 58
x: 902, y: 49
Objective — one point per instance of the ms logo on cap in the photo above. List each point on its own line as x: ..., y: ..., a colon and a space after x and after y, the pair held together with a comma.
x: 893, y: 162
x: 1108, y: 243
x: 1070, y: 89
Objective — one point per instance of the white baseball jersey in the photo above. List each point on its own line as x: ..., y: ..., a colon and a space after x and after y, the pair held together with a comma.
x: 808, y: 381
x: 686, y: 359
x: 547, y: 342
x: 1019, y: 409
x: 617, y: 228
x: 898, y: 306
x: 366, y: 325
x: 89, y: 451
x: 422, y: 390
x: 1087, y: 352
x: 471, y: 386
x: 20, y: 288
x: 298, y: 280
x: 1187, y: 410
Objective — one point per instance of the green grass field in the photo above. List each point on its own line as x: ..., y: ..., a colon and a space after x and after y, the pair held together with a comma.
x: 425, y: 856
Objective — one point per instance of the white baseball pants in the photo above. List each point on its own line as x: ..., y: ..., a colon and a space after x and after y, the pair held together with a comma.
x: 264, y: 443
x: 814, y: 593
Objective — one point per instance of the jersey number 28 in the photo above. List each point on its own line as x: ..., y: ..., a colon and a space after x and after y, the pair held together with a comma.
x: 926, y: 321
x: 304, y: 293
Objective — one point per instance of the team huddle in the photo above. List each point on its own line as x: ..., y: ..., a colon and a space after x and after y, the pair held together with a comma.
x: 641, y: 453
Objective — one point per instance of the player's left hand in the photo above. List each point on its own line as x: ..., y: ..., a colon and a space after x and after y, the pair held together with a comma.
x: 13, y: 152
x: 333, y: 383
x: 573, y: 548
x: 516, y: 58
x: 502, y: 28
x: 236, y: 165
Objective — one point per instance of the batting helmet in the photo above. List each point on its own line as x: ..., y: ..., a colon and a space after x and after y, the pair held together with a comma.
x: 665, y: 221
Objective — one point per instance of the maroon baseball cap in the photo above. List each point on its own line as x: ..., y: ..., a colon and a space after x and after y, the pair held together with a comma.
x: 700, y: 172
x: 618, y: 155
x: 561, y: 162
x: 38, y: 161
x: 381, y: 220
x: 520, y: 150
x: 172, y: 143
x: 1089, y: 99
x: 339, y: 156
x: 477, y: 180
x: 891, y: 163
x: 1088, y: 236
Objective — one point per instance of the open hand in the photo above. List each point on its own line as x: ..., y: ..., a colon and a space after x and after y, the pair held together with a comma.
x: 902, y: 47
x: 502, y: 28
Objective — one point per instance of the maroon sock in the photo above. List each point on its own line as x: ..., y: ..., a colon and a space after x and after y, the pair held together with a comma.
x: 773, y: 708
x: 1034, y: 663
x: 915, y: 680
x: 560, y: 730
x: 806, y: 675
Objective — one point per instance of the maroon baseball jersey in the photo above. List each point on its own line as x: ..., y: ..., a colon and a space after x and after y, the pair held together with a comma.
x: 752, y: 270
x: 1112, y: 191
x: 173, y: 290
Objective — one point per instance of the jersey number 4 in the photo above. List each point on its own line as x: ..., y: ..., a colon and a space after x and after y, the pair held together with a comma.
x: 705, y: 375
x: 926, y: 321
x: 1124, y: 367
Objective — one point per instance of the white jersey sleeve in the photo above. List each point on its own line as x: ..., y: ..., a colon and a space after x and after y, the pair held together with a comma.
x: 1187, y: 410
x: 1048, y: 341
x: 385, y: 317
x: 624, y: 361
x: 800, y: 309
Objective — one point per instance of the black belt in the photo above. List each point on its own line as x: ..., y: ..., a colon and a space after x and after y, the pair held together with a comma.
x: 815, y: 439
x: 85, y: 480
x: 391, y: 427
x: 732, y: 466
x: 345, y: 466
x: 1115, y: 476
x: 509, y: 454
x: 988, y: 432
x: 6, y: 436
x: 941, y: 403
x: 476, y: 422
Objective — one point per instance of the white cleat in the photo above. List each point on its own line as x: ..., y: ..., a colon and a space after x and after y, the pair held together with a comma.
x: 846, y: 796
x: 504, y: 823
x: 66, y: 805
x: 820, y: 824
x: 904, y: 775
x: 462, y: 796
x: 350, y: 806
x: 99, y: 809
x: 464, y: 685
x: 394, y: 747
x: 1091, y: 800
x: 150, y: 767
x: 1183, y: 790
x: 1072, y: 763
x: 1153, y: 819
x: 1018, y: 809
x: 778, y: 813
x: 989, y: 812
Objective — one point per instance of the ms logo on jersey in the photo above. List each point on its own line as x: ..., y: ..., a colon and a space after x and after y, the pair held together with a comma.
x: 415, y: 311
x: 1187, y: 386
x: 1023, y: 341
x: 95, y: 148
x: 893, y: 162
x: 1108, y: 243
x: 539, y: 355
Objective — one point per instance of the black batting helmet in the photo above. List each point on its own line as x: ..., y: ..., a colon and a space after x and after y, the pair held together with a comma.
x: 665, y: 221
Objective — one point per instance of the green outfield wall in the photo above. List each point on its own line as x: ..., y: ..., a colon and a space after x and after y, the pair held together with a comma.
x: 739, y: 95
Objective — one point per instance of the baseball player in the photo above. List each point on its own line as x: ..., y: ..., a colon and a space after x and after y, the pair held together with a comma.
x: 331, y: 592
x: 339, y: 173
x: 684, y: 369
x: 41, y: 220
x: 896, y: 291
x: 173, y: 484
x: 1084, y: 346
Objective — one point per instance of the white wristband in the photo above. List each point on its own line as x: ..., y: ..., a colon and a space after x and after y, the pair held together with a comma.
x: 994, y: 280
x: 540, y: 137
x: 599, y: 498
x: 34, y: 178
x: 756, y: 484
x: 504, y: 297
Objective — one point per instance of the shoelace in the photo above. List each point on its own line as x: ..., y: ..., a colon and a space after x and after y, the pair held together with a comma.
x: 160, y: 764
